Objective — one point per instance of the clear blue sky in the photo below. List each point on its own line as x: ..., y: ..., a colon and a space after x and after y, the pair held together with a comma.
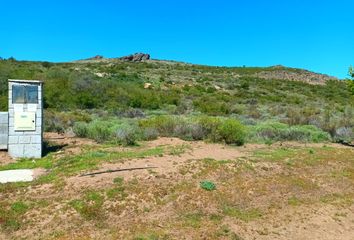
x: 314, y: 34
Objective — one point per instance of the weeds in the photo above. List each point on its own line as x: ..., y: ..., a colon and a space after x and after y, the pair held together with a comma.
x: 207, y: 185
x: 90, y: 207
x: 242, y: 214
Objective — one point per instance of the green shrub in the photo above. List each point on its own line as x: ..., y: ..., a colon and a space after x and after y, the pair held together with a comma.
x: 207, y: 185
x: 150, y: 134
x: 62, y: 121
x: 275, y: 131
x: 100, y: 131
x: 165, y: 125
x: 231, y: 131
x: 209, y: 124
x: 80, y: 129
x: 344, y: 134
x: 189, y: 131
x: 126, y: 135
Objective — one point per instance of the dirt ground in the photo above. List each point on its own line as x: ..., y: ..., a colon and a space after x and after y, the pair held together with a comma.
x: 5, y: 158
x: 281, y: 191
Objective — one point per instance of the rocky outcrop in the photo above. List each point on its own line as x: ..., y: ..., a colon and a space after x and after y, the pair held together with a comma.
x: 283, y: 73
x: 137, y: 57
x: 97, y: 57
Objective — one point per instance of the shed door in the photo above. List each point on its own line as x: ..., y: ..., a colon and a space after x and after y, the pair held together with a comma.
x: 4, y: 132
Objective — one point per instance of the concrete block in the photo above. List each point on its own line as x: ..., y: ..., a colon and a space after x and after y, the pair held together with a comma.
x: 4, y: 118
x: 3, y: 129
x: 38, y: 122
x: 16, y: 150
x: 24, y: 139
x: 13, y: 139
x: 39, y: 113
x: 32, y: 150
x: 20, y: 175
x: 36, y: 139
x: 12, y: 132
x: 11, y: 121
x: 36, y: 132
x: 3, y: 139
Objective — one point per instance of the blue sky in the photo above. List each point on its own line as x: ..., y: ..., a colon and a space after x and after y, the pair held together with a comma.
x: 314, y: 34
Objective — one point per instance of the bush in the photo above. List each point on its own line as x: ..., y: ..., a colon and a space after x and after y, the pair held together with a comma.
x: 209, y: 125
x: 275, y: 131
x: 189, y: 131
x: 100, y: 131
x: 126, y: 135
x: 231, y: 132
x: 131, y: 113
x: 81, y: 129
x: 344, y: 134
x: 207, y: 185
x: 150, y: 134
x: 165, y: 125
x: 60, y: 122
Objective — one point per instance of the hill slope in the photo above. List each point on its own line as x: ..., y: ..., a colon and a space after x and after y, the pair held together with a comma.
x: 251, y: 94
x: 273, y: 72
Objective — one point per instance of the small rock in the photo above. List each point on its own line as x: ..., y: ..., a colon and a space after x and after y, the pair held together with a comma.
x: 147, y: 85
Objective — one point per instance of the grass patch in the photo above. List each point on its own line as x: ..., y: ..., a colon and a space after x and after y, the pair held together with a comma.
x: 193, y: 220
x: 225, y: 231
x: 294, y: 201
x: 28, y: 163
x: 118, y: 191
x: 11, y: 216
x: 245, y: 215
x: 338, y: 199
x: 90, y: 206
x: 71, y: 165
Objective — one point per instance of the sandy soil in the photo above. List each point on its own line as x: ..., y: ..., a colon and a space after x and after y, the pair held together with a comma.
x: 316, y: 222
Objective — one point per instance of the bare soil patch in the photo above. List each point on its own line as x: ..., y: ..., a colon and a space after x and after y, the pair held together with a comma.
x: 167, y: 165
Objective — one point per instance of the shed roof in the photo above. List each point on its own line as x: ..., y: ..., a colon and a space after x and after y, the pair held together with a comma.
x: 25, y: 81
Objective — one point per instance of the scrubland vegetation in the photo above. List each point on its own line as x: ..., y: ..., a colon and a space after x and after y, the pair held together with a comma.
x: 107, y: 101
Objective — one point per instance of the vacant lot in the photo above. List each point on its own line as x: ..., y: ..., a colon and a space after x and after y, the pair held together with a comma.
x: 286, y: 190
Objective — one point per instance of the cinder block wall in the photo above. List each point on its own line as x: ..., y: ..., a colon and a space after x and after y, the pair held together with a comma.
x: 25, y: 143
x: 4, y: 130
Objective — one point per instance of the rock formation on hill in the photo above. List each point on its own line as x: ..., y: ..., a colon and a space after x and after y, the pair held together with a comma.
x: 97, y: 57
x: 137, y: 57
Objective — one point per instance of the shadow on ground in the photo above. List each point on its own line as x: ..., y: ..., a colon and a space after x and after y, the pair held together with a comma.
x: 49, y: 147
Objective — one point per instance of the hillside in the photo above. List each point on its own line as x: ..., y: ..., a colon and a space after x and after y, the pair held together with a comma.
x: 274, y: 72
x: 129, y: 87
